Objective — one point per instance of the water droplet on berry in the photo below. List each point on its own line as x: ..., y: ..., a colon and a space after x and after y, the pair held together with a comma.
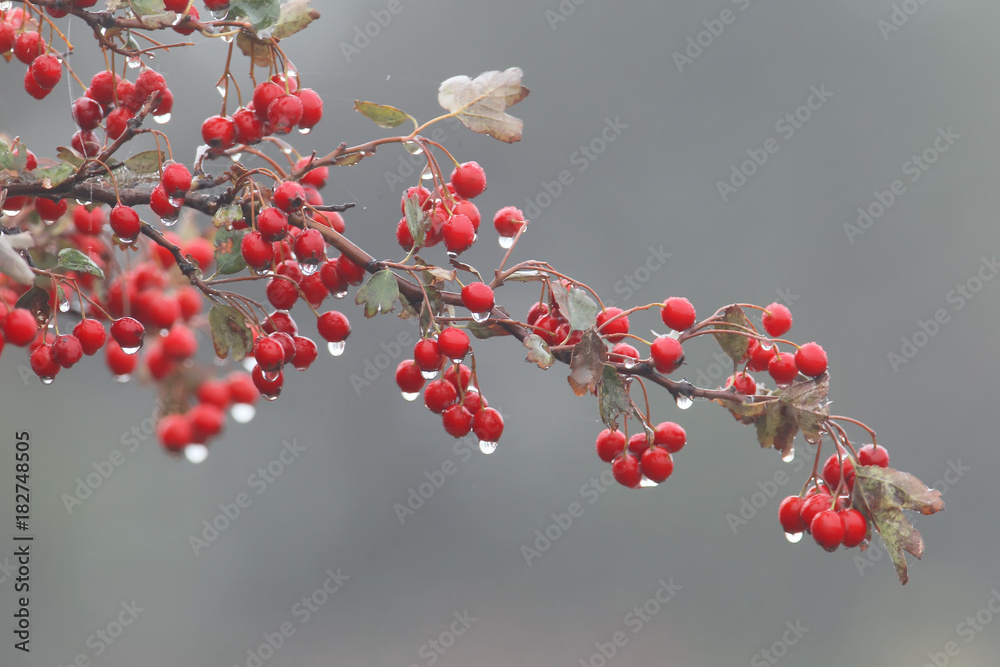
x: 47, y: 380
x: 133, y: 62
x: 407, y: 396
x: 790, y: 456
x: 305, y: 130
x: 487, y: 446
x: 427, y: 175
x: 243, y: 412
x: 629, y: 363
x: 457, y: 361
x: 271, y: 376
x: 169, y: 221
x: 130, y: 350
x: 481, y: 317
x: 340, y: 295
x: 176, y: 202
x: 221, y: 89
x: 8, y: 211
x: 260, y: 271
x: 196, y: 453
x: 248, y: 363
x: 506, y: 242
x: 429, y: 375
x: 122, y: 379
x: 64, y: 307
x: 308, y: 268
x: 413, y: 147
x: 793, y: 537
x: 271, y: 397
x: 684, y: 402
x: 765, y: 344
x: 336, y: 349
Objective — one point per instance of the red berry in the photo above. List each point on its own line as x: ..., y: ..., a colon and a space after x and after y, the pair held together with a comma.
x: 280, y: 321
x: 812, y: 506
x: 487, y: 424
x: 758, y: 356
x: 408, y: 377
x: 508, y: 221
x: 427, y: 356
x: 214, y: 392
x: 330, y: 276
x: 88, y: 222
x: 125, y: 222
x: 617, y: 329
x: 284, y: 113
x: 624, y: 350
x: 473, y: 401
x: 777, y: 320
x: 678, y: 313
x: 625, y: 470
x: 457, y: 421
x: 47, y: 70
x: 810, y: 359
x: 315, y: 177
x: 149, y: 82
x: 102, y: 87
x: 458, y: 373
x: 184, y: 27
x: 163, y: 311
x: 91, y: 335
x: 667, y: 354
x: 32, y: 88
x: 120, y: 364
x: 43, y: 363
x: 67, y: 350
x: 314, y: 289
x: 657, y: 464
x: 289, y: 196
x: 743, y: 383
x: 128, y: 333
x: 610, y: 444
x: 873, y: 455
x: 782, y: 368
x: 176, y: 179
x: 87, y: 113
x: 438, y: 395
x: 219, y: 132
x: 305, y: 352
x: 418, y: 191
x: 287, y: 345
x: 174, y: 432
x: 268, y: 388
x: 350, y: 272
x: 855, y: 527
x: 206, y: 421
x: 242, y: 389
x: 469, y: 210
x: 8, y: 36
x: 453, y: 343
x: 831, y: 472
x: 310, y: 247
x: 49, y: 210
x: 257, y: 251
x: 827, y: 529
x: 282, y: 293
x: 638, y: 443
x: 537, y: 310
x: 312, y: 108
x: 478, y: 297
x: 117, y: 122
x: 180, y: 343
x: 403, y: 236
x: 161, y: 204
x: 788, y: 515
x: 28, y: 46
x: 249, y: 128
x: 269, y: 353
x: 469, y: 180
x: 85, y: 142
x: 671, y: 435
x: 459, y: 234
x: 201, y: 250
x: 333, y: 326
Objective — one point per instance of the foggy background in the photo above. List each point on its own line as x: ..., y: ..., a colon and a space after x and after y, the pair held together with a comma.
x: 405, y: 581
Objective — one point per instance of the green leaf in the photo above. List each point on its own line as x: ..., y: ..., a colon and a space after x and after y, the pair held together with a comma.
x: 881, y: 494
x: 735, y: 345
x: 261, y: 14
x: 538, y: 352
x: 228, y: 257
x: 53, y: 176
x: 227, y: 215
x: 382, y: 114
x: 417, y: 220
x: 481, y: 103
x: 146, y: 7
x: 66, y: 155
x: 229, y: 331
x: 295, y: 16
x: 11, y: 160
x: 38, y: 301
x: 379, y: 294
x: 587, y: 363
x: 349, y: 160
x: 74, y: 260
x: 147, y: 162
x: 578, y: 308
x: 12, y: 264
x: 808, y: 405
x: 612, y: 397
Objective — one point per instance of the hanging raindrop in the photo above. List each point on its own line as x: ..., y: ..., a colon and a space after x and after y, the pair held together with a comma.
x: 243, y: 412
x: 487, y: 446
x: 407, y: 396
x: 336, y: 349
x: 684, y: 402
x: 506, y: 242
x: 793, y: 537
x: 196, y: 453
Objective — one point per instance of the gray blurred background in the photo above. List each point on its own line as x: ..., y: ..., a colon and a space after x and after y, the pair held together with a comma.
x: 410, y: 586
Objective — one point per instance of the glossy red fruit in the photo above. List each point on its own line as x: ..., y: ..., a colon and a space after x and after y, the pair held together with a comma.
x: 657, y: 464
x: 758, y: 356
x: 128, y: 332
x: 469, y: 180
x: 180, y: 343
x: 282, y: 293
x: 102, y: 87
x: 314, y: 290
x: 268, y: 388
x: 289, y: 196
x: 810, y: 359
x: 249, y: 128
x: 330, y: 276
x: 91, y: 335
x: 777, y: 320
x: 269, y: 353
x: 310, y: 247
x: 487, y: 424
x: 743, y: 383
x: 184, y: 26
x: 812, y: 506
x: 427, y: 356
x: 280, y: 321
x: 43, y: 363
x: 473, y: 401
x: 873, y: 455
x: 537, y: 310
x: 616, y: 330
x: 459, y: 233
x: 67, y: 350
x: 408, y: 377
x: 214, y: 392
x: 782, y: 368
x: 117, y: 122
x: 176, y: 179
x: 162, y: 205
x: 49, y: 210
x: 626, y: 472
x: 315, y: 177
x: 832, y: 470
x: 469, y: 210
x: 457, y: 421
x: 677, y: 313
x: 8, y: 35
x: 789, y: 515
x: 333, y: 326
x: 312, y: 108
x: 478, y: 297
x: 287, y: 343
x: 306, y: 352
x: 284, y: 113
x: 453, y: 343
x: 403, y: 236
x: 438, y: 395
x: 28, y: 46
x: 667, y: 354
x: 458, y: 373
x: 827, y: 529
x: 418, y: 191
x: 638, y: 443
x: 623, y: 350
x: 125, y: 222
x: 242, y: 389
x: 219, y: 132
x: 47, y: 71
x: 508, y: 221
x: 174, y: 432
x: 206, y: 422
x: 855, y: 527
x: 671, y: 435
x: 88, y: 222
x: 119, y: 363
x: 257, y: 251
x: 610, y: 444
x: 350, y: 272
x: 86, y: 143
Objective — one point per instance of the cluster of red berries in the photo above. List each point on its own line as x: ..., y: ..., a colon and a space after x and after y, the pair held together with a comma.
x: 642, y: 460
x: 278, y: 106
x: 462, y: 408
x: 204, y: 420
x: 453, y: 218
x: 832, y: 521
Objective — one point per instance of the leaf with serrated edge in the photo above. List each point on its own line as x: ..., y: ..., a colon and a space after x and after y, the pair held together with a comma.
x: 587, y: 363
x: 295, y: 16
x: 735, y: 345
x: 12, y: 264
x: 144, y: 7
x: 229, y: 330
x: 581, y: 311
x: 382, y: 115
x: 67, y: 155
x: 53, y: 176
x: 538, y: 352
x: 228, y: 256
x: 417, y: 220
x: 808, y: 404
x: 74, y: 260
x: 612, y: 397
x: 11, y: 160
x: 262, y: 14
x: 379, y: 294
x: 481, y: 103
x: 881, y: 494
